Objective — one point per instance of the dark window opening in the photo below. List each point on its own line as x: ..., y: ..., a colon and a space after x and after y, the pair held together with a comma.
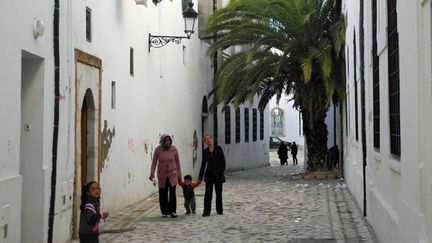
x: 237, y: 125
x: 88, y: 25
x: 394, y: 81
x: 131, y: 61
x: 113, y: 95
x: 261, y: 124
x: 255, y: 125
x: 376, y: 79
x: 355, y: 89
x: 246, y: 122
x: 227, y: 111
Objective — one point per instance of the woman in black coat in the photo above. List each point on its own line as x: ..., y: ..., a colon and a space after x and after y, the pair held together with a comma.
x: 212, y: 169
x: 283, y: 154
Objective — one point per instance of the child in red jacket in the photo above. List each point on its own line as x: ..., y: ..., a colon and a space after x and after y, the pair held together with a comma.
x: 189, y: 194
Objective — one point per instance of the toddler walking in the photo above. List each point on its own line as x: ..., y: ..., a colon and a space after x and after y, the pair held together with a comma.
x: 189, y: 194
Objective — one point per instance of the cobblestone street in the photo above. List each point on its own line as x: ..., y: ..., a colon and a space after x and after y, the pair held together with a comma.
x: 260, y: 205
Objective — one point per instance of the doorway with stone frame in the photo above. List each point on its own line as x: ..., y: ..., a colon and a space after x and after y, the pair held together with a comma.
x: 88, y: 81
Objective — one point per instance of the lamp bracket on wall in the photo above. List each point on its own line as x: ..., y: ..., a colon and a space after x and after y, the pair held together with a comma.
x: 158, y: 41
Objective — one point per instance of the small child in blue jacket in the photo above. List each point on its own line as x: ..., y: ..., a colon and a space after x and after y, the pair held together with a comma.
x: 90, y: 213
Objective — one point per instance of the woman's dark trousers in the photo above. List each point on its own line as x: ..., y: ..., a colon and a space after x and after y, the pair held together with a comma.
x: 168, y: 199
x: 208, y: 197
x: 87, y: 238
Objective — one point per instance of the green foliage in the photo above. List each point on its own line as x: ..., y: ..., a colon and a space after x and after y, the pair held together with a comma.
x: 287, y: 46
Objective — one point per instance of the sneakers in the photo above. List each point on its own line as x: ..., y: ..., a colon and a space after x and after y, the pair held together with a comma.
x: 164, y: 215
x: 173, y: 215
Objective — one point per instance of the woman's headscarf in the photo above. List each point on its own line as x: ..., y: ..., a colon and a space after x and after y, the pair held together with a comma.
x: 162, y: 141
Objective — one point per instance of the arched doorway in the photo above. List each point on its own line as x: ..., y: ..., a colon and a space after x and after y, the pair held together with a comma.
x: 87, y: 162
x: 87, y: 166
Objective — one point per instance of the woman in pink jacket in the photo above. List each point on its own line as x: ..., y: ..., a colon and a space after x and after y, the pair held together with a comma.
x: 166, y: 158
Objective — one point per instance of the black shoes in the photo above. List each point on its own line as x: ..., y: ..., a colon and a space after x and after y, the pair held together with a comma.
x: 220, y: 213
x: 206, y: 214
x: 173, y: 215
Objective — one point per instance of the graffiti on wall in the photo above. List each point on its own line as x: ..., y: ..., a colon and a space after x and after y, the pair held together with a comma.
x: 107, y: 138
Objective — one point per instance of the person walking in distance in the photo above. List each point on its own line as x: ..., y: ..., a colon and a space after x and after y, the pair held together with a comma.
x: 212, y: 170
x: 294, y: 153
x: 283, y: 154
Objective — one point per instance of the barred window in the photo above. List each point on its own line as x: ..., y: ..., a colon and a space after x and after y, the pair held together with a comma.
x: 376, y: 78
x: 393, y: 73
x: 355, y: 88
x: 246, y: 121
x: 261, y: 124
x: 255, y: 125
x: 227, y: 111
x: 237, y: 125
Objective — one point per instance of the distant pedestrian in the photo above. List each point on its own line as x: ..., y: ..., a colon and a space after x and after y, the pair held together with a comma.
x: 189, y: 193
x: 283, y: 154
x: 212, y: 169
x: 90, y: 213
x: 166, y: 158
x: 294, y: 151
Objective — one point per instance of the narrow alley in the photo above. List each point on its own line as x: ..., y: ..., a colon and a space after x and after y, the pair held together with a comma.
x: 260, y: 205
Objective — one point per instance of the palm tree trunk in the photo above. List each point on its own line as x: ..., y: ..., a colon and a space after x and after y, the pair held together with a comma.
x: 314, y: 112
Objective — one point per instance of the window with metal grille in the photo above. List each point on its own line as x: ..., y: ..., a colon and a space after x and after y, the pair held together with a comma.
x: 227, y: 111
x: 261, y: 124
x: 376, y: 79
x: 88, y: 25
x: 355, y: 88
x: 246, y: 122
x: 255, y: 125
x: 131, y: 61
x: 237, y: 125
x: 393, y: 72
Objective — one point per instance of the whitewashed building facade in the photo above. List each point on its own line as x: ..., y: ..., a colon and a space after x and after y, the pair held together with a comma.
x: 285, y: 121
x: 387, y: 137
x: 110, y: 101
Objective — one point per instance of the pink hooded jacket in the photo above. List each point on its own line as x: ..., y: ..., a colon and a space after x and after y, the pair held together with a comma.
x: 168, y: 165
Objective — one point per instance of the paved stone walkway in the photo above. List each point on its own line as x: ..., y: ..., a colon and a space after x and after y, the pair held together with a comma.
x: 260, y: 205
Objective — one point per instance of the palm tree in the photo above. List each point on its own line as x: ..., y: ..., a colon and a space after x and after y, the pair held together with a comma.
x: 287, y: 47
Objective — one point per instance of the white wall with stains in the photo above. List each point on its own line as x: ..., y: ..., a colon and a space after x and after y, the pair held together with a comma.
x: 27, y: 77
x: 398, y: 189
x: 292, y: 122
x: 164, y: 95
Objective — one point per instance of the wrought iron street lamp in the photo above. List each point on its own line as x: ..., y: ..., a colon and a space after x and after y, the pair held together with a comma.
x: 189, y: 16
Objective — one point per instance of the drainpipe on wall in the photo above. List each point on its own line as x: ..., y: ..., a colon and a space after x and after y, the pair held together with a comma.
x: 363, y: 105
x: 56, y: 40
